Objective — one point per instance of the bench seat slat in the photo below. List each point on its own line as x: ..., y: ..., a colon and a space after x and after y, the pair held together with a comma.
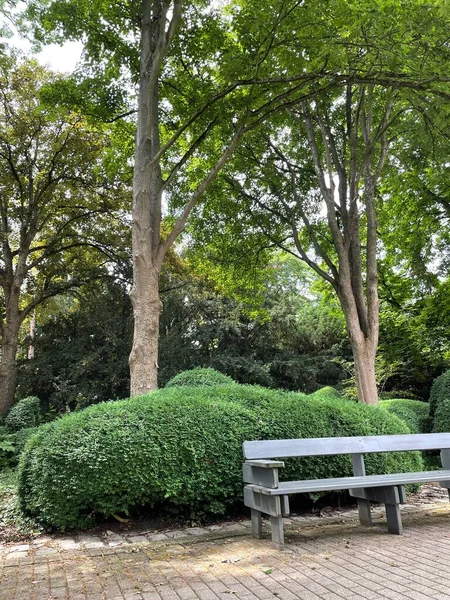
x: 348, y: 483
x: 277, y: 449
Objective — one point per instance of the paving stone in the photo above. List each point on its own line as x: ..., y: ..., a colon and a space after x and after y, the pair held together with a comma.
x: 92, y: 545
x: 89, y: 539
x: 137, y: 539
x: 21, y: 548
x: 68, y: 544
x: 116, y: 543
x: 45, y: 551
x: 327, y: 558
x: 16, y: 555
x: 157, y: 537
x: 197, y: 531
x: 176, y: 534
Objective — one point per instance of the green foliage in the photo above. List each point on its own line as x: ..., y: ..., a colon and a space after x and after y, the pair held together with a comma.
x: 81, y: 351
x: 413, y: 412
x: 440, y: 403
x: 396, y: 394
x: 440, y: 392
x: 181, y: 448
x: 199, y: 377
x: 13, y: 524
x: 289, y: 340
x: 6, y: 450
x: 327, y: 393
x: 26, y: 413
x: 12, y: 445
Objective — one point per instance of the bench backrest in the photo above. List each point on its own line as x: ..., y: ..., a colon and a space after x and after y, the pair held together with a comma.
x: 345, y: 445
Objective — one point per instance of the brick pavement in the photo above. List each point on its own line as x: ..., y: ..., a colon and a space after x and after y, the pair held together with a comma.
x: 329, y: 558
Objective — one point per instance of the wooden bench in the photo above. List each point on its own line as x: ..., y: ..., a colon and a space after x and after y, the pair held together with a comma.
x: 264, y: 493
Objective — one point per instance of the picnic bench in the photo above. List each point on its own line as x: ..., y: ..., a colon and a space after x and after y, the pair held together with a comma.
x: 264, y: 493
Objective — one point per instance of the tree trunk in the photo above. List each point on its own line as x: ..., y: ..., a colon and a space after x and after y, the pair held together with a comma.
x: 363, y: 335
x: 364, y: 353
x: 32, y: 336
x: 8, y: 367
x: 147, y: 309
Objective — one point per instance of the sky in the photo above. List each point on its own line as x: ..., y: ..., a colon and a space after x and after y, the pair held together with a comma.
x: 59, y: 58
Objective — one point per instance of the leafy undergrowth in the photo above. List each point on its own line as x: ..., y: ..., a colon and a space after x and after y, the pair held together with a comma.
x: 14, y: 526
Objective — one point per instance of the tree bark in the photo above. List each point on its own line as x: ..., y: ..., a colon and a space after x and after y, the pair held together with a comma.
x: 147, y: 309
x: 356, y: 165
x: 364, y: 353
x: 363, y: 332
x: 160, y: 19
x: 147, y: 194
x: 8, y: 365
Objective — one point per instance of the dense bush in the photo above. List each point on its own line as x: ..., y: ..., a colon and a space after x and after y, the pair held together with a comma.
x: 327, y: 393
x: 26, y: 413
x: 182, y: 450
x: 413, y: 412
x: 440, y: 403
x: 12, y: 445
x: 398, y: 394
x: 199, y: 377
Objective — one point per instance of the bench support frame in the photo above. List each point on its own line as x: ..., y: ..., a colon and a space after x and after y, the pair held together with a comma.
x: 359, y: 468
x: 268, y: 498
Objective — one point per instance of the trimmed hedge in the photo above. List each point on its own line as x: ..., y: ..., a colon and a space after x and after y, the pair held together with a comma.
x: 181, y: 448
x: 440, y: 403
x: 198, y: 377
x: 413, y: 412
x: 327, y: 393
x: 26, y: 413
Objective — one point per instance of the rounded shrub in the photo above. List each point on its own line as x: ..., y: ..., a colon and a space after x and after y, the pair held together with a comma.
x: 413, y: 412
x: 181, y: 448
x: 440, y: 403
x: 326, y: 393
x: 198, y: 377
x: 26, y: 413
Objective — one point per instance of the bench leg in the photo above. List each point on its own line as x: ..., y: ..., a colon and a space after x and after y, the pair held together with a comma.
x: 394, y: 519
x: 365, y: 516
x: 276, y: 526
x: 256, y: 523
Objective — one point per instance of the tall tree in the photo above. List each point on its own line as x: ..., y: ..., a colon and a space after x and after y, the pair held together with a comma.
x: 228, y: 70
x: 56, y: 212
x: 311, y: 181
x: 196, y: 99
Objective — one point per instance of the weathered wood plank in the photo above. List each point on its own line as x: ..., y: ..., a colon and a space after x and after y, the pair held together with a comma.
x: 359, y: 469
x: 277, y: 532
x: 256, y: 523
x: 260, y: 476
x: 269, y: 505
x: 394, y: 519
x: 285, y: 509
x: 382, y: 495
x: 266, y: 464
x: 344, y: 445
x: 348, y: 483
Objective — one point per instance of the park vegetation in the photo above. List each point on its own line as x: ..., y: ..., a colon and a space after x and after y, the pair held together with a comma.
x: 247, y: 210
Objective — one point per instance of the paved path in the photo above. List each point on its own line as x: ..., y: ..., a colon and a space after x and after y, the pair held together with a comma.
x: 329, y: 558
